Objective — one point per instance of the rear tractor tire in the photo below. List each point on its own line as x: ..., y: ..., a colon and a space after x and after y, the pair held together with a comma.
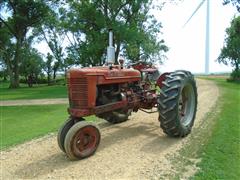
x: 178, y: 103
x: 82, y: 140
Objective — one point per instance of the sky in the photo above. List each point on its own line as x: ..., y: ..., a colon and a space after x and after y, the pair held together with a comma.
x: 187, y: 44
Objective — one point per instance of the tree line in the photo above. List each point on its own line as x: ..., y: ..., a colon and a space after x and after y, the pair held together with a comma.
x: 76, y: 33
x: 230, y: 53
x: 83, y: 25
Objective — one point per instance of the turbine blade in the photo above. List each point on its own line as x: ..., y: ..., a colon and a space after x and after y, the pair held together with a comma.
x: 194, y: 12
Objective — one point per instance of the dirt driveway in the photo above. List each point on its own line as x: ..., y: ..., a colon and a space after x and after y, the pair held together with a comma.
x: 136, y: 149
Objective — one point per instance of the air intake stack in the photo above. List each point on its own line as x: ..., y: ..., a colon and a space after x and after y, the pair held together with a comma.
x: 110, y: 50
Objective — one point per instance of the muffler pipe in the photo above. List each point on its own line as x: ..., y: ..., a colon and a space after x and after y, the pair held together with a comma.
x: 110, y: 50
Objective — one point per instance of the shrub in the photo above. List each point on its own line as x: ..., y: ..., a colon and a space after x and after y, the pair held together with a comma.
x: 234, y: 76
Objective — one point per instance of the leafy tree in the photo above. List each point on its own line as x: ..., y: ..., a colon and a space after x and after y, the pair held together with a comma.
x: 52, y: 33
x: 22, y: 15
x: 234, y: 2
x: 84, y: 25
x: 6, y: 50
x: 135, y: 30
x: 31, y: 65
x: 230, y: 53
x: 48, y: 67
x: 141, y: 32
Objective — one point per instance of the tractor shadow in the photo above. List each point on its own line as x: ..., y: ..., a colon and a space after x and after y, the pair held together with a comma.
x: 111, y: 134
x: 42, y: 166
x: 157, y: 141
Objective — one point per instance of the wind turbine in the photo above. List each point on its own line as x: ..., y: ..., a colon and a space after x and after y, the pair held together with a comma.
x: 207, y: 42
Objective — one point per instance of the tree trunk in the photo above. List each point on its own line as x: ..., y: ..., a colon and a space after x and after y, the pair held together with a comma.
x: 4, y: 77
x: 237, y: 65
x: 30, y: 80
x: 54, y: 74
x: 14, y: 82
x: 49, y: 78
x: 65, y: 73
x: 35, y: 78
x: 237, y: 70
x: 11, y: 76
x: 10, y: 71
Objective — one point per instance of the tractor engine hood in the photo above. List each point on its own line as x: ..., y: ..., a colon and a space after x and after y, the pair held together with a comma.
x: 105, y: 72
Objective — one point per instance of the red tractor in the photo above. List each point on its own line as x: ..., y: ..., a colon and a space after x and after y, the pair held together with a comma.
x: 113, y: 92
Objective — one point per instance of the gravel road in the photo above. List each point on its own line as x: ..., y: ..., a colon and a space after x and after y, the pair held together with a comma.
x: 136, y: 149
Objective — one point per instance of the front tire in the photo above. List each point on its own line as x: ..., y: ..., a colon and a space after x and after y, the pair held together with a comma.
x: 62, y: 133
x: 178, y: 103
x: 82, y: 140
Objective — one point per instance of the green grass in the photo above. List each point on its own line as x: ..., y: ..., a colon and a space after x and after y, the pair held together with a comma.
x: 36, y: 92
x: 23, y: 123
x: 221, y: 154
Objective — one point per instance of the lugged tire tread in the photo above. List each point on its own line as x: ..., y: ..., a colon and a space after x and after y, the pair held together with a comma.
x: 176, y: 87
x: 168, y: 100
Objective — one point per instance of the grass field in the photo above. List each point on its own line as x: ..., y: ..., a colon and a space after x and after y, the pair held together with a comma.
x: 22, y: 123
x: 221, y: 154
x: 36, y: 92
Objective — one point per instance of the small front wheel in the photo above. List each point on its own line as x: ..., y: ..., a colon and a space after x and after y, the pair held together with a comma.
x: 82, y: 140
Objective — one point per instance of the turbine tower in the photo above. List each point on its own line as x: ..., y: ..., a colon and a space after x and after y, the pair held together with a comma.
x: 207, y: 41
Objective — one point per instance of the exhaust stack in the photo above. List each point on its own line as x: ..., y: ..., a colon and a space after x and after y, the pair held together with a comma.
x: 110, y: 50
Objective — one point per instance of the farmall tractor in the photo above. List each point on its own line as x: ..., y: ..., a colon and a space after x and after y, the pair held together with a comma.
x: 113, y: 92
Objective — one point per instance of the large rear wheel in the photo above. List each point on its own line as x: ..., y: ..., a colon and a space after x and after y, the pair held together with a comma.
x: 178, y: 103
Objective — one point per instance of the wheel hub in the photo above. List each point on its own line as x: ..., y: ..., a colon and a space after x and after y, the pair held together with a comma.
x: 85, y: 141
x: 186, y: 105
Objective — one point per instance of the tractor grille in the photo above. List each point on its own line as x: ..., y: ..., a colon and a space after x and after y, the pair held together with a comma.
x: 78, y: 92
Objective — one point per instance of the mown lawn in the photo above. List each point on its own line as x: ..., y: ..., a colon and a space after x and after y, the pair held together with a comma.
x: 36, y: 92
x: 23, y: 123
x: 221, y: 154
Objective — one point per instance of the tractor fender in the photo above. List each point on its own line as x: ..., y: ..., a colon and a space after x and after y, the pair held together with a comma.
x: 162, y: 78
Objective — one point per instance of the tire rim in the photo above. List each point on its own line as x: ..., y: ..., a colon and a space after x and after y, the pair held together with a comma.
x: 187, y: 105
x: 85, y: 141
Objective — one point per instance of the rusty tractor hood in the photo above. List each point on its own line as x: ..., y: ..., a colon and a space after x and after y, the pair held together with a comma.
x: 115, y: 72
